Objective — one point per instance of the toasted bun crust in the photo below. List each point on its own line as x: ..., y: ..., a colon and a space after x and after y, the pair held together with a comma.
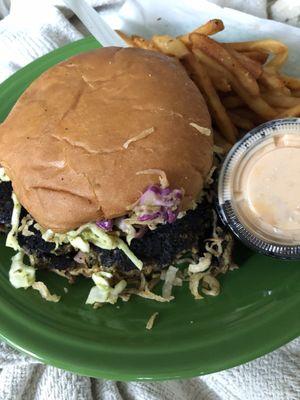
x: 63, y: 143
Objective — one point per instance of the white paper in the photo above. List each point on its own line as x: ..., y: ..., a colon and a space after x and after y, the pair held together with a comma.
x: 147, y: 17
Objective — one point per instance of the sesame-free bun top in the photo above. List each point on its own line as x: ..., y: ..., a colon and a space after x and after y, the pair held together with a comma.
x: 64, y: 143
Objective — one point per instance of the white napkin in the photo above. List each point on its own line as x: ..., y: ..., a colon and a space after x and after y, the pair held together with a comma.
x: 33, y: 28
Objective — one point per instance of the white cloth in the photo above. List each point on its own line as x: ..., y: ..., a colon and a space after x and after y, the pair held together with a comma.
x: 272, y: 377
x: 33, y: 28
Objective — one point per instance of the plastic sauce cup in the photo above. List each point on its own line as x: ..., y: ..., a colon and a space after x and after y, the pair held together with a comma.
x: 259, y: 189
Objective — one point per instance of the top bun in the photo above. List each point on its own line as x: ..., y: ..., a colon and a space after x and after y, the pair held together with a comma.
x: 62, y: 145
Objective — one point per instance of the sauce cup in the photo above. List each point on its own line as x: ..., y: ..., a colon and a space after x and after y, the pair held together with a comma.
x: 259, y: 189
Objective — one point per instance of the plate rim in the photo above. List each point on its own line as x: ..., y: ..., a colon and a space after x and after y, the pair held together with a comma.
x: 126, y: 377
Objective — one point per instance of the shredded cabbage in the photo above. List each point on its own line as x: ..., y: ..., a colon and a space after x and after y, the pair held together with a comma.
x: 181, y: 214
x: 177, y: 281
x: 26, y: 222
x: 20, y: 274
x: 11, y: 240
x: 194, y: 284
x: 3, y: 176
x: 79, y: 244
x: 214, y: 246
x: 218, y: 149
x: 105, y: 224
x: 23, y: 276
x: 214, y: 285
x: 202, y: 265
x: 162, y: 176
x: 97, y: 295
x: 132, y: 257
x: 126, y: 228
x: 90, y: 233
x: 209, y: 179
x: 157, y: 205
x: 140, y: 136
x: 103, y: 292
x: 44, y: 292
x: 147, y: 294
x: 201, y: 129
x: 169, y: 282
x: 151, y: 321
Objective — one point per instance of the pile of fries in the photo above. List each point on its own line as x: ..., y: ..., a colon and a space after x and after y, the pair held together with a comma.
x: 241, y: 82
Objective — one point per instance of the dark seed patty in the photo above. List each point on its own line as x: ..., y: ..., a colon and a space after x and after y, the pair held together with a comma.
x: 159, y: 247
x: 44, y: 252
x: 54, y: 261
x: 34, y: 244
x: 6, y: 203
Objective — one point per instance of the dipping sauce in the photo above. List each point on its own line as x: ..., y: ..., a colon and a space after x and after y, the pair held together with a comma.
x: 267, y: 189
x: 259, y: 189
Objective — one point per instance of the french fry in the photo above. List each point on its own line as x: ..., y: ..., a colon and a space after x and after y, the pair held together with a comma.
x: 220, y: 82
x: 223, y: 57
x: 221, y: 142
x: 255, y: 103
x: 271, y: 80
x: 276, y: 99
x: 137, y: 41
x: 291, y: 82
x: 246, y: 113
x: 175, y: 47
x: 170, y: 46
x: 280, y: 110
x: 241, y: 122
x: 255, y: 90
x: 231, y: 102
x: 258, y: 56
x: 290, y: 112
x: 295, y: 93
x: 218, y: 112
x: 142, y: 43
x: 125, y: 37
x: 253, y: 67
x: 210, y: 28
x: 275, y: 47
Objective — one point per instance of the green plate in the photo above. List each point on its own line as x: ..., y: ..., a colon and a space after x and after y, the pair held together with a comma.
x: 257, y: 311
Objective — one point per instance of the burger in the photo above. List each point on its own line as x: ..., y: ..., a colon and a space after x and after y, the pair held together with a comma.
x: 105, y: 160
